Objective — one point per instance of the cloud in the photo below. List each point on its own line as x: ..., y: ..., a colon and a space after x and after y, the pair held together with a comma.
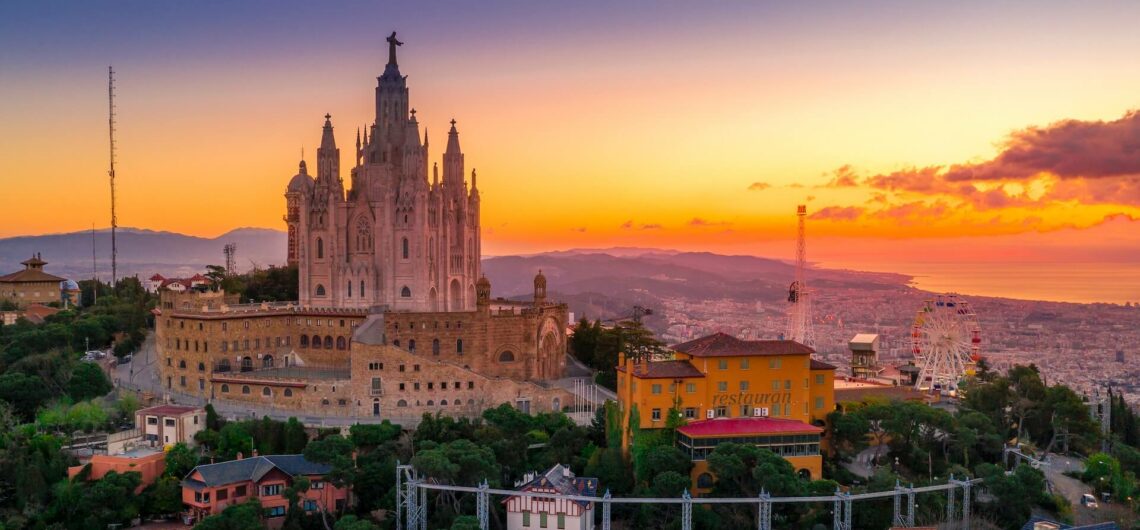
x: 843, y: 177
x: 838, y: 213
x: 795, y: 185
x: 759, y: 186
x: 810, y: 198
x: 627, y: 225
x: 653, y: 226
x: 579, y: 229
x: 698, y: 222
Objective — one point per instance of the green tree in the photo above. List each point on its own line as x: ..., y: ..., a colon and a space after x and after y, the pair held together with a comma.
x: 180, y: 460
x: 25, y: 393
x: 88, y: 381
x: 295, y: 437
x: 1014, y: 495
x: 465, y: 522
x: 234, y: 438
x: 163, y: 497
x: 352, y: 522
x: 244, y: 516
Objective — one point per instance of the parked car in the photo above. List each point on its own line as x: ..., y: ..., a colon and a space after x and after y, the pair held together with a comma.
x: 1088, y: 501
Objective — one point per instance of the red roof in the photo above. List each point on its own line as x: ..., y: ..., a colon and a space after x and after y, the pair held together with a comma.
x: 664, y: 370
x: 723, y: 345
x: 157, y: 278
x: 746, y: 427
x: 167, y: 410
x: 820, y: 365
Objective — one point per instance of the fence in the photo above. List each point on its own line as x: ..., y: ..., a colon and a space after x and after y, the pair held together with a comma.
x: 411, y: 499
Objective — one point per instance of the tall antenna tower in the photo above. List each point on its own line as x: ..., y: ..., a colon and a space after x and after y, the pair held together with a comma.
x: 230, y: 250
x: 94, y: 270
x: 799, y: 315
x: 111, y: 172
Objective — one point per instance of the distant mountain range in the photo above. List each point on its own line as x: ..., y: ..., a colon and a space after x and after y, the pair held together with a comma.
x: 602, y: 283
x: 142, y: 252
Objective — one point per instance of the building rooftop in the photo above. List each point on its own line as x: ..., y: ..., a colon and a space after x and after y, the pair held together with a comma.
x: 252, y: 469
x: 746, y: 427
x: 664, y: 370
x: 560, y: 479
x: 817, y: 364
x: 167, y: 410
x: 724, y: 345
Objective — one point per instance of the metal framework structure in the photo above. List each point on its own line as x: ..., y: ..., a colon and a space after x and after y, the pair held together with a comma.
x: 230, y: 250
x: 111, y: 171
x: 799, y: 315
x: 945, y: 342
x: 411, y: 509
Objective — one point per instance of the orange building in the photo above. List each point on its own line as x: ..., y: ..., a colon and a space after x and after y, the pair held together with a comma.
x: 149, y: 463
x: 209, y: 489
x: 794, y: 440
x: 720, y: 377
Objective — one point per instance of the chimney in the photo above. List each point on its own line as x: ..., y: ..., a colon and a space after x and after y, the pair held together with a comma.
x: 255, y: 453
x: 565, y: 471
x: 211, y: 460
x: 239, y: 455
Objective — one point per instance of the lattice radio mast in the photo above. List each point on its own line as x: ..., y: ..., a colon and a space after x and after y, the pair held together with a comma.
x: 111, y: 172
x: 230, y: 250
x: 799, y: 315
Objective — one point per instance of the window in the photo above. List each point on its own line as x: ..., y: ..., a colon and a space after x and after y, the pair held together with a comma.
x: 401, y: 403
x: 276, y: 511
x: 722, y: 364
x: 722, y: 386
x: 401, y: 387
x: 317, y: 485
x: 819, y: 379
x: 328, y: 342
x: 775, y: 384
x: 431, y: 385
x: 704, y: 480
x: 690, y: 412
x: 655, y: 389
x: 320, y: 290
x: 405, y: 249
x: 412, y: 346
x: 526, y: 519
x: 343, y: 344
x: 288, y: 392
x: 787, y: 384
x: 721, y: 412
x: 271, y: 490
x: 201, y: 384
x: 690, y: 388
x: 223, y: 494
x: 265, y: 391
x: 310, y: 505
x: 470, y: 385
x: 239, y: 491
x: 182, y: 380
x: 406, y: 292
x: 435, y: 347
x: 376, y: 385
x: 225, y: 389
x: 744, y: 386
x: 361, y: 288
x: 320, y: 249
x: 542, y: 519
x: 182, y: 364
x: 655, y: 415
x: 350, y: 288
x: 245, y: 389
x: 806, y: 384
x: 818, y: 402
x: 744, y: 364
x: 745, y: 411
x: 401, y: 368
x: 507, y: 357
x: 459, y: 346
x: 151, y: 420
x: 561, y: 520
x: 774, y: 364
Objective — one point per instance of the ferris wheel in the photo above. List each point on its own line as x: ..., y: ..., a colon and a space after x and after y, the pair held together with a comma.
x: 945, y: 341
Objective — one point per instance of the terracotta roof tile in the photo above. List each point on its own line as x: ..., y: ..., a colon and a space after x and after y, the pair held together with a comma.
x: 820, y: 365
x: 29, y: 275
x: 723, y: 345
x: 664, y: 370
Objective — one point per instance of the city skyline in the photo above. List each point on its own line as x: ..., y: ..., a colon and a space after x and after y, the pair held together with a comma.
x: 912, y: 133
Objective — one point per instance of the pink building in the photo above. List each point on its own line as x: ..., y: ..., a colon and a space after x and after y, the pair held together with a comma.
x: 209, y: 489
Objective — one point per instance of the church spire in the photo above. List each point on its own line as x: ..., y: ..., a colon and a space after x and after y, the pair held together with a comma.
x: 327, y: 140
x: 453, y: 139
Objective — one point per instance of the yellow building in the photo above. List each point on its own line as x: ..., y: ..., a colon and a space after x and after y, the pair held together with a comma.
x: 31, y: 285
x: 770, y: 393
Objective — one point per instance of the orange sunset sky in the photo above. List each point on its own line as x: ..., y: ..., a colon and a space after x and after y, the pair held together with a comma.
x: 913, y: 131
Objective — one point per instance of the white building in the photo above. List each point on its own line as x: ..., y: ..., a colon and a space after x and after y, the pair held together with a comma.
x: 526, y: 513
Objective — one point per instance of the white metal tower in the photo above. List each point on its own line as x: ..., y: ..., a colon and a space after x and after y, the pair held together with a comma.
x: 111, y: 171
x: 799, y: 315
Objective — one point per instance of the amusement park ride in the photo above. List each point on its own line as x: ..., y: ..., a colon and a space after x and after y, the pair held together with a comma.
x: 945, y: 341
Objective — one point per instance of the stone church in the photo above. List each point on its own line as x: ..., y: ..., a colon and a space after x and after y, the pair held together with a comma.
x: 394, y: 318
x: 398, y: 237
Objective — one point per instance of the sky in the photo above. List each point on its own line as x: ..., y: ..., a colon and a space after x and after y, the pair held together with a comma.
x: 915, y: 132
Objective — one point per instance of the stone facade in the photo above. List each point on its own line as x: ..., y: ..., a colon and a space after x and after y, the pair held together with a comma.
x: 31, y: 285
x: 393, y: 239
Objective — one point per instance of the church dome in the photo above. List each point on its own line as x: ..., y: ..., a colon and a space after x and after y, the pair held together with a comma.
x: 301, y: 182
x: 70, y: 285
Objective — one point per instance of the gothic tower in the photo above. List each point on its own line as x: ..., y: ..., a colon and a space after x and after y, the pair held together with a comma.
x: 394, y: 240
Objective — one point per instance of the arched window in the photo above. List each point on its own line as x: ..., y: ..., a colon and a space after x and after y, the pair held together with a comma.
x: 396, y: 343
x: 340, y: 343
x: 507, y: 357
x: 556, y: 405
x: 443, y: 403
x: 459, y: 346
x: 320, y: 248
x: 288, y: 392
x: 245, y: 389
x: 704, y: 480
x: 225, y: 389
x: 405, y: 292
x: 320, y: 290
x: 363, y: 235
x: 304, y: 341
x: 405, y: 245
x: 328, y: 342
x: 324, y: 402
x: 401, y: 403
x: 223, y: 365
x: 316, y: 342
x: 361, y: 288
x: 412, y: 345
x: 266, y: 392
x: 267, y: 361
x: 182, y: 364
x: 350, y: 288
x: 470, y: 401
x: 435, y: 347
x: 431, y: 403
x: 201, y: 367
x: 246, y: 364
